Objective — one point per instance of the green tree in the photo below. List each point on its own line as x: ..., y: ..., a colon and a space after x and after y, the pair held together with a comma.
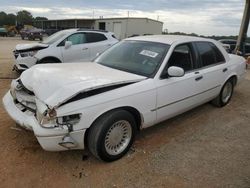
x: 11, y: 19
x: 39, y: 18
x: 3, y: 17
x: 24, y: 17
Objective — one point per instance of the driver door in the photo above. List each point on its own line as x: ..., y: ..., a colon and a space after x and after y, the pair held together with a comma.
x: 178, y: 94
x: 79, y: 50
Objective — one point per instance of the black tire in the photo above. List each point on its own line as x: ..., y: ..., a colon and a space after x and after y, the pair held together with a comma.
x: 220, y: 101
x: 22, y: 38
x: 101, y: 129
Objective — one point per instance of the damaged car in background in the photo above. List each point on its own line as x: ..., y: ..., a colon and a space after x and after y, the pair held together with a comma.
x: 135, y: 84
x: 69, y: 45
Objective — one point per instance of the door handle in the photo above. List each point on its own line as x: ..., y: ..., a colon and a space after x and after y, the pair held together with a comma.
x: 109, y: 45
x: 224, y: 70
x: 84, y: 48
x: 198, y: 78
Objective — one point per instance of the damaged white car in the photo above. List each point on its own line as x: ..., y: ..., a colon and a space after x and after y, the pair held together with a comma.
x: 68, y: 45
x: 135, y: 84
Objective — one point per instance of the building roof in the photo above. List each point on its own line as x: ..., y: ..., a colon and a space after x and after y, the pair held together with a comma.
x: 125, y: 18
x: 97, y: 19
x: 68, y: 19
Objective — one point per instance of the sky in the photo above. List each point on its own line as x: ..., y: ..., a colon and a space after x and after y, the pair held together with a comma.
x: 204, y: 17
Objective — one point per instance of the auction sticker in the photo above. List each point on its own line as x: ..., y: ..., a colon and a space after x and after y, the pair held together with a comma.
x: 149, y: 53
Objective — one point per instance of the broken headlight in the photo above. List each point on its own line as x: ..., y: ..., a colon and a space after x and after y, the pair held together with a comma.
x: 46, y: 118
x: 26, y: 54
x: 45, y: 121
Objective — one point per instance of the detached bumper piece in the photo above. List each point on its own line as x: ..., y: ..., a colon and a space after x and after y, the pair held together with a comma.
x: 68, y: 142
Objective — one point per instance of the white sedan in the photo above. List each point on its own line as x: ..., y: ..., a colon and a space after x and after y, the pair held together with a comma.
x: 135, y: 84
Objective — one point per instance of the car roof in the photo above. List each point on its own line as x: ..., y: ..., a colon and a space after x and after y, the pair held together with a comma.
x: 87, y: 30
x: 169, y: 39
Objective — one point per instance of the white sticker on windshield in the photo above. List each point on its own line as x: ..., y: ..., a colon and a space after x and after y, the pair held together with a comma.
x: 149, y: 53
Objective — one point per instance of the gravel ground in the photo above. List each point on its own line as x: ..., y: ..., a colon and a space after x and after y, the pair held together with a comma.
x: 205, y: 147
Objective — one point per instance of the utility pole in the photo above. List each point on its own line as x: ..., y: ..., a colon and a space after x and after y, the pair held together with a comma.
x: 244, y: 27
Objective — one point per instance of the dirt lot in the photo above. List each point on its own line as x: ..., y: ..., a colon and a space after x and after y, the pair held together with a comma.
x: 206, y: 147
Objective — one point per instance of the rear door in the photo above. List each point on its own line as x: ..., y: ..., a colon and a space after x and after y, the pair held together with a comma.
x: 79, y: 51
x: 97, y: 43
x: 213, y: 68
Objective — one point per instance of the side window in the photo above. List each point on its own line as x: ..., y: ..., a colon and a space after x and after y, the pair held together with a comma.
x: 78, y: 38
x: 95, y: 37
x: 182, y: 57
x: 209, y: 53
x: 219, y: 56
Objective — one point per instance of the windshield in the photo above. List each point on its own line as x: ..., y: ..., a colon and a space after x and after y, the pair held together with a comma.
x: 55, y: 37
x: 138, y: 57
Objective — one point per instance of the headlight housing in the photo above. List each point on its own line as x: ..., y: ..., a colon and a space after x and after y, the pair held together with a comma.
x: 49, y: 119
x: 30, y: 53
x: 46, y: 117
x: 46, y: 121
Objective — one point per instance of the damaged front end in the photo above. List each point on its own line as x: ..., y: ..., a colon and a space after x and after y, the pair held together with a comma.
x: 25, y: 55
x: 52, y: 131
x: 36, y: 105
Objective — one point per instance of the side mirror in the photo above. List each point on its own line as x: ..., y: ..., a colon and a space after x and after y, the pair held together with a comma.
x: 67, y: 44
x: 174, y: 71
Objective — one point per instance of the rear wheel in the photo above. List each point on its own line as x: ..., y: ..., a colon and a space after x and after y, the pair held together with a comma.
x: 111, y: 136
x: 225, y: 94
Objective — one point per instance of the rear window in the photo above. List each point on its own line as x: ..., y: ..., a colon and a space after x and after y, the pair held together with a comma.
x: 209, y: 53
x: 95, y: 37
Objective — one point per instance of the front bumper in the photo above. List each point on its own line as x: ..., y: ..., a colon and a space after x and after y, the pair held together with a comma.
x: 48, y: 138
x: 23, y: 63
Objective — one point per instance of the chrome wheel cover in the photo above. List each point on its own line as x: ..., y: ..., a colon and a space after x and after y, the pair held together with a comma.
x: 118, y: 137
x: 227, y: 92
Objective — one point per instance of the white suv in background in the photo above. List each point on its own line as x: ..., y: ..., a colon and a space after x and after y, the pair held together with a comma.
x: 71, y: 45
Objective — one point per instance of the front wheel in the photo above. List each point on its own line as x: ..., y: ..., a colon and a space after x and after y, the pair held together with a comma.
x: 112, y: 135
x: 225, y: 94
x: 49, y: 60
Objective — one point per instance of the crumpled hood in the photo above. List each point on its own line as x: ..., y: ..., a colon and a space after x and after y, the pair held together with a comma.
x: 56, y: 83
x: 31, y: 46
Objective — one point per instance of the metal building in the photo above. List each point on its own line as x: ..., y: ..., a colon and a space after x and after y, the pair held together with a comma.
x: 126, y: 27
x: 122, y: 27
